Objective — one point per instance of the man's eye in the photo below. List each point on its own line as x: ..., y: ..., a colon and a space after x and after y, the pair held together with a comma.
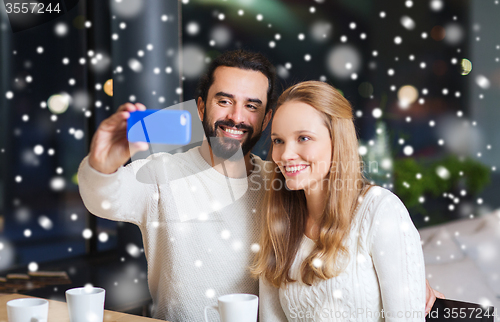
x: 224, y: 102
x: 253, y: 107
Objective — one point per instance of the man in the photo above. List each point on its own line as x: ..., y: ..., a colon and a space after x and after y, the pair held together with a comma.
x: 198, y: 210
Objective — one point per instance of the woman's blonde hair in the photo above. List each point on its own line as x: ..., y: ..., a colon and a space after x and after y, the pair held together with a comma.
x: 285, y: 211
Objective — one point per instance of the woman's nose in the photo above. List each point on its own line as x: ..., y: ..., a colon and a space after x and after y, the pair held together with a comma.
x: 289, y: 153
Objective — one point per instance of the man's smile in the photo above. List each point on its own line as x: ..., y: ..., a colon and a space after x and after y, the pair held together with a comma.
x: 232, y: 132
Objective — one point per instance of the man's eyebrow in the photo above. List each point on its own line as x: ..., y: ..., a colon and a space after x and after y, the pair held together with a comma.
x: 252, y: 100
x: 224, y: 94
x: 255, y: 100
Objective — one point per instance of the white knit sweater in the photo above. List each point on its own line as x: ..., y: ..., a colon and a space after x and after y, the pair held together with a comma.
x: 198, y: 226
x: 385, y: 272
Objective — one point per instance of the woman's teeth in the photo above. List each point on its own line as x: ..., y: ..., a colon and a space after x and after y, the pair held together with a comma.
x: 295, y: 169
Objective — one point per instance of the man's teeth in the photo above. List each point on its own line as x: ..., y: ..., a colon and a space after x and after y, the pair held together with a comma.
x: 295, y: 169
x: 233, y: 131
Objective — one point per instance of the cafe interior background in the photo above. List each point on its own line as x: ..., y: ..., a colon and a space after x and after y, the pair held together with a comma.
x: 423, y: 77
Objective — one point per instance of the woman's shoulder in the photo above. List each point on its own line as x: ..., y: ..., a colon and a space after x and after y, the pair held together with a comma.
x: 382, y: 210
x: 380, y: 196
x: 380, y: 202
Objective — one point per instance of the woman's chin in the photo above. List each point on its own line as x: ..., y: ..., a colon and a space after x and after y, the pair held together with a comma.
x: 291, y: 185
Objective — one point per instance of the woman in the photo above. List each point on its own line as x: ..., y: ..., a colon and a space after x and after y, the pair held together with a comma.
x: 334, y: 248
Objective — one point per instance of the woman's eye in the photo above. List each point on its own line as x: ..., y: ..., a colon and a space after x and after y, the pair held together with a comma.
x: 304, y: 138
x: 276, y: 141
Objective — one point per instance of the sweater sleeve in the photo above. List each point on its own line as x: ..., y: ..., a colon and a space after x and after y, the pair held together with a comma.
x: 118, y: 196
x: 398, y: 260
x: 269, y: 303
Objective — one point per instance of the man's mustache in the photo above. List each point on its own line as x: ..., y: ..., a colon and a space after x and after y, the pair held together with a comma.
x: 230, y: 123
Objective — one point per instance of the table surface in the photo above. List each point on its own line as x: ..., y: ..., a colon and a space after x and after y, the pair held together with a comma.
x: 58, y: 311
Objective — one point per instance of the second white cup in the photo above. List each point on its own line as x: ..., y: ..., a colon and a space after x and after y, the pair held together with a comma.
x: 28, y: 310
x: 85, y: 304
x: 236, y: 308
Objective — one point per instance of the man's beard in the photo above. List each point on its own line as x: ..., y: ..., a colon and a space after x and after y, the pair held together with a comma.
x: 225, y: 147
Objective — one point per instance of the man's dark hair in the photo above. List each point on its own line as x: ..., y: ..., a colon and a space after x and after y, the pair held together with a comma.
x: 244, y: 60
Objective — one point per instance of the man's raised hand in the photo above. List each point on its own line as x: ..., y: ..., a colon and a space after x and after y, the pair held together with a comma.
x: 110, y: 148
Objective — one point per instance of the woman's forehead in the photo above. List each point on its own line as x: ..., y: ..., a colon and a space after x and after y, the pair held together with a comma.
x: 296, y: 114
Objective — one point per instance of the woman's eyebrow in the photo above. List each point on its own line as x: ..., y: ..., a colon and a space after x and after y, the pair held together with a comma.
x: 296, y: 132
x: 303, y: 131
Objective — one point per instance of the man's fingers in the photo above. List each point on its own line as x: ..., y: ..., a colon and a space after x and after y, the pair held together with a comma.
x: 117, y: 119
x: 438, y: 294
x: 137, y: 146
x: 431, y: 298
x: 430, y: 303
x: 128, y: 107
x: 140, y: 107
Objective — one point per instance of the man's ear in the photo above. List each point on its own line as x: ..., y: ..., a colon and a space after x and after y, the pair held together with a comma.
x: 201, y: 108
x: 267, y: 118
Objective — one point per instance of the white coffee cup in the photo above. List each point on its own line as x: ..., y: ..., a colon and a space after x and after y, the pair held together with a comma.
x: 236, y: 308
x: 85, y: 304
x: 28, y: 310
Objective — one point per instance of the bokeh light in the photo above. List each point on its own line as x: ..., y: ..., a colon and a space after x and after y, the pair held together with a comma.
x: 438, y: 33
x: 192, y: 28
x: 127, y: 8
x: 461, y: 138
x: 57, y: 183
x: 6, y: 254
x: 108, y: 87
x: 442, y: 172
x: 45, y: 222
x: 407, y: 95
x: 87, y: 233
x: 135, y: 65
x: 321, y: 31
x: 282, y: 71
x: 466, y: 66
x: 343, y: 60
x: 193, y: 60
x: 61, y: 29
x: 482, y: 82
x: 377, y: 112
x: 221, y: 35
x: 408, y: 150
x: 33, y: 267
x: 133, y: 250
x: 407, y: 22
x: 38, y: 149
x: 103, y: 237
x: 454, y: 34
x: 436, y: 5
x: 58, y: 103
x: 28, y: 157
x: 80, y: 100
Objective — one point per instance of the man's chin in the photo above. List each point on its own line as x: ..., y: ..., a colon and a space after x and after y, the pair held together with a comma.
x: 228, y: 151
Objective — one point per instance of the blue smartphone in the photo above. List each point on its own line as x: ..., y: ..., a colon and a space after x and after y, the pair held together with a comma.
x: 159, y: 126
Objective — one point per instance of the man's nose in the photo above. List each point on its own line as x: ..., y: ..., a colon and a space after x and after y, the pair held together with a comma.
x: 236, y: 114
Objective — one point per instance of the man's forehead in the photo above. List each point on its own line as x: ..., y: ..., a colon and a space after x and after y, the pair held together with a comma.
x: 245, y: 83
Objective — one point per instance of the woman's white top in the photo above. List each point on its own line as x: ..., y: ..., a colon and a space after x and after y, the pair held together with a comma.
x: 384, y: 278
